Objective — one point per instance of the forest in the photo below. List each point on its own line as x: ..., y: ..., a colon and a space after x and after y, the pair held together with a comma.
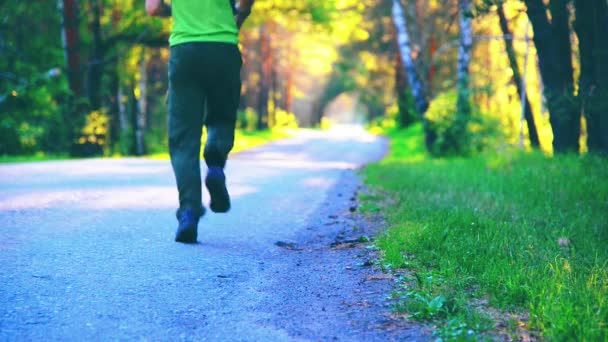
x: 491, y: 200
x: 89, y: 78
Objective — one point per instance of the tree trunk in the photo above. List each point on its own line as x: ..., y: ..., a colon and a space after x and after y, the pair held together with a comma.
x: 71, y: 44
x: 463, y: 105
x: 95, y: 68
x: 114, y: 109
x: 274, y: 81
x: 123, y: 122
x: 432, y: 52
x: 265, y: 66
x: 517, y: 77
x: 552, y: 40
x: 133, y: 112
x: 289, y: 80
x: 592, y: 29
x: 405, y: 51
x: 142, y: 106
x: 405, y: 117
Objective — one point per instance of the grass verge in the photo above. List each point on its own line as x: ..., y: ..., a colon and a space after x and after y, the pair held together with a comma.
x: 33, y: 158
x: 244, y: 140
x: 522, y: 233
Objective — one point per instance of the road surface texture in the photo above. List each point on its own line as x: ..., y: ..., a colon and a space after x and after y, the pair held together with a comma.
x: 87, y: 251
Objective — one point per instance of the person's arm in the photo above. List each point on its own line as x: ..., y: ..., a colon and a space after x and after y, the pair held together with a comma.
x: 158, y: 8
x: 242, y: 11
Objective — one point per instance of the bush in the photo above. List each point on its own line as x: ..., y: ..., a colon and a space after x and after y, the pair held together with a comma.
x: 32, y: 121
x: 247, y: 119
x: 481, y: 131
x: 94, y: 134
x: 284, y: 119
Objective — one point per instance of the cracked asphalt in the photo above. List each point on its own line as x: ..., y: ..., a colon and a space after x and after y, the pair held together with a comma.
x: 87, y: 251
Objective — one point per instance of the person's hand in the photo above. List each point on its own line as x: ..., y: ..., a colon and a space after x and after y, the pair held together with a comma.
x: 240, y: 18
x: 158, y: 8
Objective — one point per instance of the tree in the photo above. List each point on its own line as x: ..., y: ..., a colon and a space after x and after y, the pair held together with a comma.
x: 592, y: 30
x: 34, y: 86
x: 552, y: 40
x: 458, y: 132
x: 266, y: 76
x: 405, y: 51
x: 71, y: 44
x: 406, y: 115
x: 517, y: 77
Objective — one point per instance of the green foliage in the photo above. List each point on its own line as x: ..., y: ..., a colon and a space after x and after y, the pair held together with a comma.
x: 457, y: 135
x: 32, y: 94
x: 31, y: 121
x: 283, y: 119
x: 94, y: 135
x: 247, y: 120
x: 525, y: 231
x: 32, y: 158
x: 406, y: 114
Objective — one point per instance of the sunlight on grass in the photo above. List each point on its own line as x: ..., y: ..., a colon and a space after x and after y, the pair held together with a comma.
x: 406, y: 146
x: 40, y: 156
x: 244, y: 140
x: 525, y: 231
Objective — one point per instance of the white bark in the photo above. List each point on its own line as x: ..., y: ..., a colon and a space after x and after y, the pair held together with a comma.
x: 142, y: 105
x: 405, y: 50
x: 464, y: 55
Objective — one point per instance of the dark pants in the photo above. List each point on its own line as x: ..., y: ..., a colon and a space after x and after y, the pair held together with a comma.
x: 204, y: 89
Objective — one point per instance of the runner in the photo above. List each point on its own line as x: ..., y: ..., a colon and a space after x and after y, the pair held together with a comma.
x: 204, y: 89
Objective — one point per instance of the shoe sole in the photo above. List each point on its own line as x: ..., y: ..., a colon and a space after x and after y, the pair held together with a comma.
x: 188, y: 235
x: 220, y: 199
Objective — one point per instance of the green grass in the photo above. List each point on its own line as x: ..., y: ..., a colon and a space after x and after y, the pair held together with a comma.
x: 33, y: 158
x: 525, y: 232
x: 244, y: 140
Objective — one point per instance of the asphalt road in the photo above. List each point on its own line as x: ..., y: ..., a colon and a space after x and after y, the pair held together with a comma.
x: 87, y: 251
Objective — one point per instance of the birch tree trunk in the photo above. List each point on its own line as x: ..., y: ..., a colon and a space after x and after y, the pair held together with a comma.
x: 405, y: 117
x: 456, y: 137
x: 142, y: 104
x: 416, y: 86
x: 463, y: 106
x: 405, y: 50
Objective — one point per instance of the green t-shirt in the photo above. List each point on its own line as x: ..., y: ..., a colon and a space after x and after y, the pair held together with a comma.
x: 203, y: 21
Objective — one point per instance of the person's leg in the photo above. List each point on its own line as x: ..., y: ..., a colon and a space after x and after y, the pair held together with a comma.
x: 224, y: 92
x: 223, y: 89
x: 186, y: 98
